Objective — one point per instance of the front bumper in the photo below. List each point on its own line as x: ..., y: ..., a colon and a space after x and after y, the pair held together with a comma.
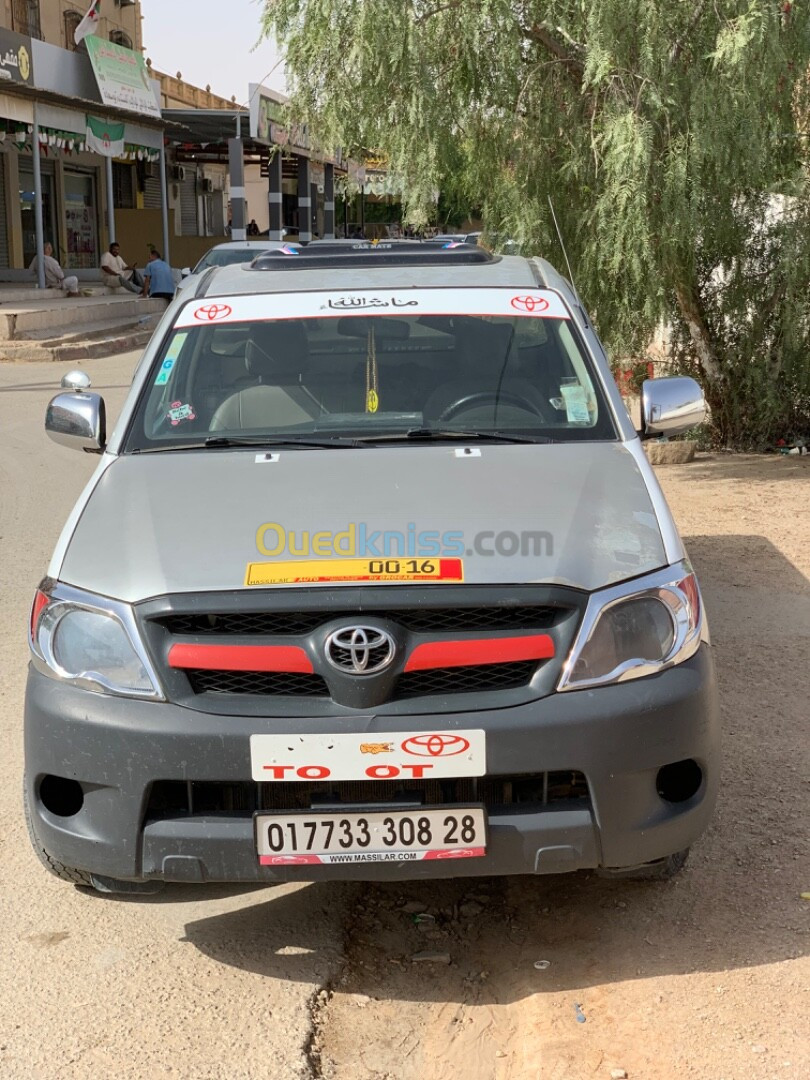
x: 618, y: 736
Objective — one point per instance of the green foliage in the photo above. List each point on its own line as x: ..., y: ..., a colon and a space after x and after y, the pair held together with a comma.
x: 660, y: 128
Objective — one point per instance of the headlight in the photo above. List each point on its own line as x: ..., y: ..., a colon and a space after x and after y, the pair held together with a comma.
x: 76, y: 639
x: 636, y: 629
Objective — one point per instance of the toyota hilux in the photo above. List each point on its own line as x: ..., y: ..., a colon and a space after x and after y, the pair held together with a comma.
x: 373, y: 580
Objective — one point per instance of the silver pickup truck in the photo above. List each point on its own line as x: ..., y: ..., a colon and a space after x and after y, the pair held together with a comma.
x: 373, y: 581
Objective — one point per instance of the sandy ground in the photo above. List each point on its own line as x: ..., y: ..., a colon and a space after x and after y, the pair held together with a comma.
x: 704, y: 977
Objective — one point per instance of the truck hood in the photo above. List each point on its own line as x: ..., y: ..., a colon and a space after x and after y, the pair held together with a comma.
x: 570, y: 514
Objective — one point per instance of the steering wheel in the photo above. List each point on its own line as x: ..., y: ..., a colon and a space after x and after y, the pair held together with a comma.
x: 473, y: 400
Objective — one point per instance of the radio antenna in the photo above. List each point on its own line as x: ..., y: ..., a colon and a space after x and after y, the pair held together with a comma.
x: 565, y: 253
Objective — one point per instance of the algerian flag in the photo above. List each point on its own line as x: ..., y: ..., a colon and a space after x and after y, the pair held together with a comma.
x: 104, y: 137
x: 89, y: 24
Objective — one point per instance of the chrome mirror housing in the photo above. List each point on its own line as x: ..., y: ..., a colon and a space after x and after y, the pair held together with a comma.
x: 670, y: 406
x: 78, y: 420
x: 76, y: 380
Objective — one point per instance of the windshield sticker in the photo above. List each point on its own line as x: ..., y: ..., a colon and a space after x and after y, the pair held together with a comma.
x: 180, y: 412
x: 576, y: 404
x: 165, y: 371
x: 350, y: 570
x: 334, y: 304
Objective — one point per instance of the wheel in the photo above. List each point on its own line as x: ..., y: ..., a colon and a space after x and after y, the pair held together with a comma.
x: 53, y: 866
x: 660, y: 870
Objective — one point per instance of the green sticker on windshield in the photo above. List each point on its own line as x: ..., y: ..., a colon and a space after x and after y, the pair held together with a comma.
x: 173, y: 353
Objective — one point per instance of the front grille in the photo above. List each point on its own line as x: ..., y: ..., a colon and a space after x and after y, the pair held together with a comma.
x: 461, y: 680
x: 170, y: 798
x: 269, y: 683
x: 464, y: 680
x: 416, y: 620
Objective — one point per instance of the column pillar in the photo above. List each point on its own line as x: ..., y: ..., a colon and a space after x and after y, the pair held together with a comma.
x: 304, y: 201
x: 274, y: 197
x: 164, y: 203
x: 236, y: 160
x: 110, y: 201
x: 329, y: 202
x: 39, y: 228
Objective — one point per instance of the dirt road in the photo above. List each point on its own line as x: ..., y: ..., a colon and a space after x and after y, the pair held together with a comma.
x: 704, y: 977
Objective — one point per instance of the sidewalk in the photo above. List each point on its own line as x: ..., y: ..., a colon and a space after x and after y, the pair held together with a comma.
x: 46, y: 325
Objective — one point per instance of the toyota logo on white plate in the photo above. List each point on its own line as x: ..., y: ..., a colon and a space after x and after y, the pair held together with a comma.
x: 360, y: 650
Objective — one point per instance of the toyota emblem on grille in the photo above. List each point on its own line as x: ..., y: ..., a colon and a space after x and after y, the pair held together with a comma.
x: 360, y: 650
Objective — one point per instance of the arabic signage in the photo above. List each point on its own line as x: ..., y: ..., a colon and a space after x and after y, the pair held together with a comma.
x: 16, y: 64
x: 122, y: 76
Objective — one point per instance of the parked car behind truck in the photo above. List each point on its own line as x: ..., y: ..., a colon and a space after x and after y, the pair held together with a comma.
x: 373, y: 580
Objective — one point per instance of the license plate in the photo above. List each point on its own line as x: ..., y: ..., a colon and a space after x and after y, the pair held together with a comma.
x: 309, y: 837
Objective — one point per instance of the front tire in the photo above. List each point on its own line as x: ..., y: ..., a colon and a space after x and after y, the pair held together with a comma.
x: 52, y: 865
x: 660, y: 870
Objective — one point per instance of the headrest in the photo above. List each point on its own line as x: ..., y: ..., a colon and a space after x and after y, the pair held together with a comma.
x: 481, y: 345
x: 385, y: 328
x: 277, y: 351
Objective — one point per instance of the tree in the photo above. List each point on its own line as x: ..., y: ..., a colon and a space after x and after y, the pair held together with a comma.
x: 665, y: 131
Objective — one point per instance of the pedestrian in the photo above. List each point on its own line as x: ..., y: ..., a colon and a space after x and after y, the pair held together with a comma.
x: 158, y: 278
x: 55, y: 275
x: 116, y: 274
x: 253, y: 228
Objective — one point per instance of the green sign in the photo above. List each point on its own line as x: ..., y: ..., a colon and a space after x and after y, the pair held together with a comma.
x: 122, y: 76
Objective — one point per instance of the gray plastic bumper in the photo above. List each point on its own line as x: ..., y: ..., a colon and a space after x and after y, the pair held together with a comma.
x: 618, y: 736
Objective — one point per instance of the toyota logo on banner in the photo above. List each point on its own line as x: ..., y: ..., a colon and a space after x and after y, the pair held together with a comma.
x: 529, y: 303
x: 360, y: 650
x: 213, y: 312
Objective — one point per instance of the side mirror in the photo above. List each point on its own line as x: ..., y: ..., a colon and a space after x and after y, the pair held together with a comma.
x: 78, y: 420
x: 670, y: 406
x: 76, y: 380
x: 185, y: 272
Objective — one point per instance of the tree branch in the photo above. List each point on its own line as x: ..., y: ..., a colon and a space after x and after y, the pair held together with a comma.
x: 450, y: 6
x: 574, y: 67
x: 677, y: 48
x: 692, y: 313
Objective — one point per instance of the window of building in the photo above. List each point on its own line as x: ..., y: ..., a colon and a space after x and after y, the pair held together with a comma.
x: 118, y: 37
x: 25, y: 17
x: 72, y: 20
x: 123, y: 186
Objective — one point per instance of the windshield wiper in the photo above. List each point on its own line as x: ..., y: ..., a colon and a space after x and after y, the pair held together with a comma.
x: 214, y: 442
x: 429, y: 434
x: 283, y: 441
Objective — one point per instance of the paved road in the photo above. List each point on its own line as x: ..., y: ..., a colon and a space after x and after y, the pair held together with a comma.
x: 704, y: 977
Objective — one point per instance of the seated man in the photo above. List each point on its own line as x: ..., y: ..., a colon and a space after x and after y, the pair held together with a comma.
x: 54, y: 274
x: 158, y: 278
x: 116, y: 274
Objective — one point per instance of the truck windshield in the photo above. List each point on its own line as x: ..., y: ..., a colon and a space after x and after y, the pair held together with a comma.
x: 361, y: 366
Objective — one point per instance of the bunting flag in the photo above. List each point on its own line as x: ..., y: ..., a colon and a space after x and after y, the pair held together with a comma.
x: 104, y: 137
x: 89, y: 24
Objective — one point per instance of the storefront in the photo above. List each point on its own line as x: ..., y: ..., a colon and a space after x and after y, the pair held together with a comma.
x: 71, y: 151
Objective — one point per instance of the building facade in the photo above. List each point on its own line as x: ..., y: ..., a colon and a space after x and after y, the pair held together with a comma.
x: 50, y: 105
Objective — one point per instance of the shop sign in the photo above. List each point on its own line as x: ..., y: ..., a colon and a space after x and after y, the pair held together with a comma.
x: 123, y: 78
x: 16, y: 64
